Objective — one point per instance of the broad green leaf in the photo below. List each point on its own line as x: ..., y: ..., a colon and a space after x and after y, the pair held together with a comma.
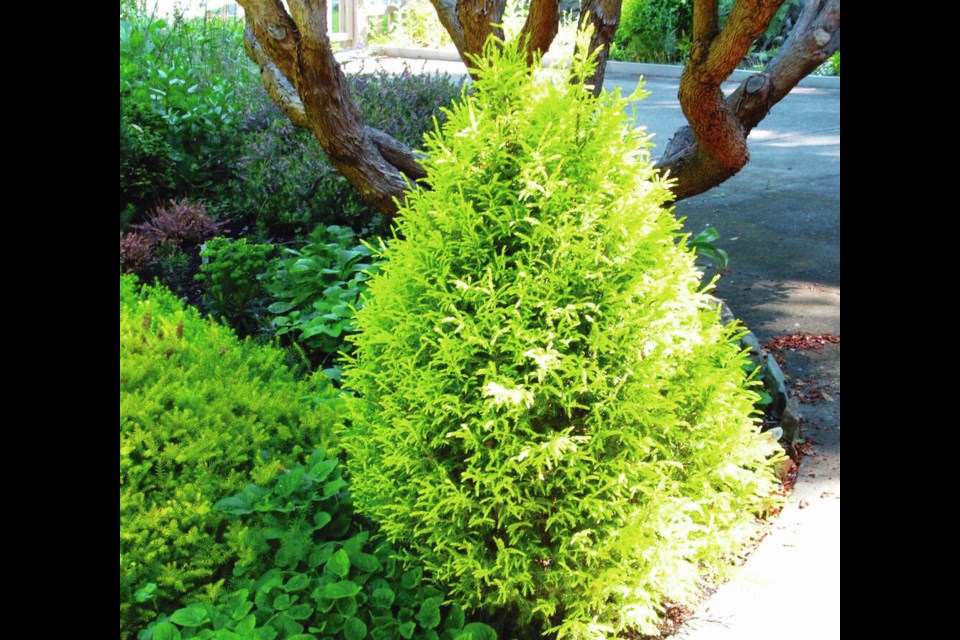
x: 234, y: 505
x: 321, y: 519
x: 300, y: 611
x: 297, y: 582
x: 477, y: 631
x: 333, y: 487
x: 339, y: 564
x: 429, y: 614
x: 382, y: 598
x: 342, y: 589
x: 319, y: 556
x: 411, y: 579
x: 192, y: 616
x: 282, y: 602
x: 354, y: 629
x: 354, y: 545
x: 366, y: 562
x: 280, y: 307
x: 291, y: 482
x: 166, y: 631
x: 407, y: 628
x: 322, y: 470
x: 247, y: 625
x: 456, y: 618
x: 347, y: 606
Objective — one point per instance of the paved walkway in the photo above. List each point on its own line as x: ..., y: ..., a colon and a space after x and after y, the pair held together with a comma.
x: 779, y: 220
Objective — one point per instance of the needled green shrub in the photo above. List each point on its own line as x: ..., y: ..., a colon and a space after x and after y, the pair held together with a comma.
x: 231, y: 272
x: 201, y: 415
x: 312, y: 567
x: 549, y: 411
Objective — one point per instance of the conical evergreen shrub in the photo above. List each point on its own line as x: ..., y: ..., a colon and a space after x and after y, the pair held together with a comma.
x: 548, y: 409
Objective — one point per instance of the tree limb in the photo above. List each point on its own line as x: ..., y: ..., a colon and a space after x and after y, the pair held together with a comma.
x: 479, y: 19
x: 706, y: 20
x: 712, y: 59
x: 541, y: 27
x: 447, y: 13
x: 302, y: 75
x: 604, y: 15
x: 277, y: 85
x: 815, y: 38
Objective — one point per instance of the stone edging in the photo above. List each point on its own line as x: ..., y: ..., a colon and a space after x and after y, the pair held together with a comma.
x: 785, y: 407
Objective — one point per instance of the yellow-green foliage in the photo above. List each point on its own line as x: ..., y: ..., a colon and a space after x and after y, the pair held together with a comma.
x: 201, y: 415
x: 548, y: 408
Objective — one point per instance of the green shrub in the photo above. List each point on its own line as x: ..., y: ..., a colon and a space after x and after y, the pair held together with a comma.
x: 187, y: 80
x: 549, y: 411
x: 201, y: 415
x: 146, y: 175
x: 317, y: 288
x: 232, y: 273
x: 313, y: 567
x: 653, y: 31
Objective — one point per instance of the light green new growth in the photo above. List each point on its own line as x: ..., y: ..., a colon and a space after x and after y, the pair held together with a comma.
x: 548, y: 408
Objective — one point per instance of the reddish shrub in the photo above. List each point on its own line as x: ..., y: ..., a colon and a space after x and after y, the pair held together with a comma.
x: 180, y: 224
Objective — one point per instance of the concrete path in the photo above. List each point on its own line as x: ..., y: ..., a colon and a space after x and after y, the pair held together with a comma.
x: 779, y: 221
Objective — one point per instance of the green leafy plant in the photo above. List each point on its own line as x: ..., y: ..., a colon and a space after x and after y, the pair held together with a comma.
x: 232, y: 272
x: 703, y: 245
x: 201, y: 415
x: 653, y: 31
x: 186, y: 79
x: 318, y: 287
x: 548, y: 410
x: 146, y: 175
x: 313, y: 568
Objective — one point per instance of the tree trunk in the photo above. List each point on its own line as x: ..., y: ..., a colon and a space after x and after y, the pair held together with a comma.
x: 299, y: 70
x: 604, y: 15
x: 713, y: 148
x: 305, y: 80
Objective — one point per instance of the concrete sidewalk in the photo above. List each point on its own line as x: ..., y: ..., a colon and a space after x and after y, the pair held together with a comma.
x: 779, y: 221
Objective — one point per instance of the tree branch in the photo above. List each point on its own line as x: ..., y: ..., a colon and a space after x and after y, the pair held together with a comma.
x: 479, y: 19
x: 604, y: 15
x: 277, y: 85
x: 541, y: 27
x: 815, y: 38
x: 706, y: 20
x: 712, y: 59
x: 447, y: 12
x: 302, y: 75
